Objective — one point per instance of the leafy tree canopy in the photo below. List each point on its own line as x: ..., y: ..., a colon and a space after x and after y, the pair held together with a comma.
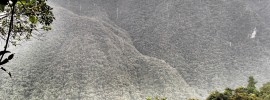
x: 265, y: 91
x: 249, y: 92
x: 29, y: 16
x: 18, y: 20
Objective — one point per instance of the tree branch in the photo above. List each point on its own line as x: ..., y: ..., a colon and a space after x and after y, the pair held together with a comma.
x: 10, y: 29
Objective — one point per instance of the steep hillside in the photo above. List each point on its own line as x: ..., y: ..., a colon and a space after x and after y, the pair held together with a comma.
x: 129, y: 49
x: 207, y: 41
x: 88, y: 58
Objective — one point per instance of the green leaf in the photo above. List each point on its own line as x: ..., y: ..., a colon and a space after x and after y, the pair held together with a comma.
x: 24, y: 2
x: 33, y: 1
x: 2, y: 7
x: 33, y: 19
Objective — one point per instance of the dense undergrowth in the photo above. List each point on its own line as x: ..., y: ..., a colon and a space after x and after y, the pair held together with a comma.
x: 249, y: 92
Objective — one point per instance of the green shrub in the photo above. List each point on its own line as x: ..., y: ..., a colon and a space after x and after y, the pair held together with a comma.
x: 243, y: 93
x: 249, y: 92
x: 265, y: 91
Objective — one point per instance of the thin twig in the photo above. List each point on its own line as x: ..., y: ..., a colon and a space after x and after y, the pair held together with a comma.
x: 10, y: 30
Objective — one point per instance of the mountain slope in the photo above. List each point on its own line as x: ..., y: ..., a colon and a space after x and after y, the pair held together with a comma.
x: 148, y: 47
x: 90, y: 59
x: 207, y: 41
